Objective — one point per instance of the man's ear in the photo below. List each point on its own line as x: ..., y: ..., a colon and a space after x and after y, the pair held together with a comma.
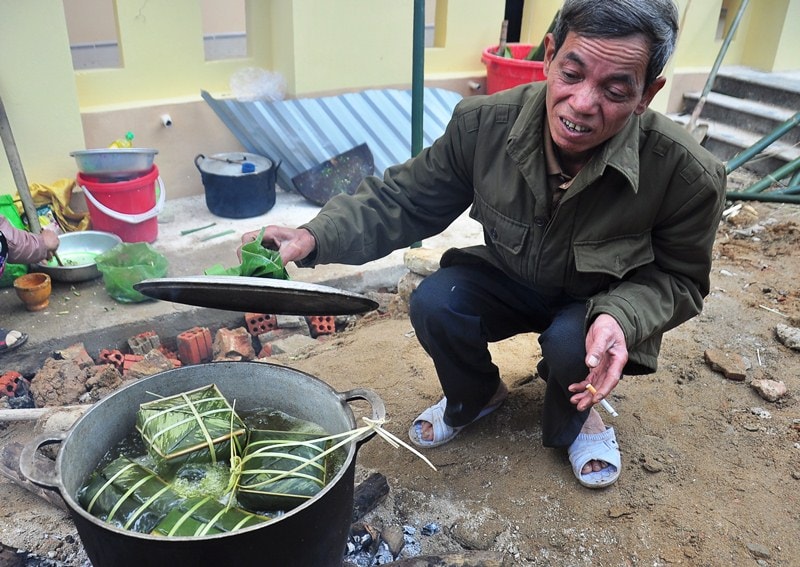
x: 650, y: 93
x: 549, y: 52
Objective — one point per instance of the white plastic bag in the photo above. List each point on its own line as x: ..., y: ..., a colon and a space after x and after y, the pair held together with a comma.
x: 254, y: 83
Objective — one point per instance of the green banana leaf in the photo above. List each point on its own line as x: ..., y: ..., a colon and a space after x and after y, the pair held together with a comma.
x: 205, y: 516
x: 257, y: 261
x: 192, y: 427
x: 274, y: 476
x: 128, y: 495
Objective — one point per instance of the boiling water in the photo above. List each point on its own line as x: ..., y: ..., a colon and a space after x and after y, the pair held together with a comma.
x: 206, y: 479
x: 277, y: 420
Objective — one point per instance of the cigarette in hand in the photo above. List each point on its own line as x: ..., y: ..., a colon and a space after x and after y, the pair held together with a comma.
x: 603, y: 402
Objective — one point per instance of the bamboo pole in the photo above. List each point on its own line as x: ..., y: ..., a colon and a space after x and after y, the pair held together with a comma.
x: 690, y: 126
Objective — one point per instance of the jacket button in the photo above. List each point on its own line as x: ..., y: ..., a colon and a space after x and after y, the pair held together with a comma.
x: 493, y: 233
x: 539, y: 221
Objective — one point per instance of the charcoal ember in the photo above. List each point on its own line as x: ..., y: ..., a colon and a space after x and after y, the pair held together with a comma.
x: 361, y: 538
x: 21, y: 402
x: 384, y: 555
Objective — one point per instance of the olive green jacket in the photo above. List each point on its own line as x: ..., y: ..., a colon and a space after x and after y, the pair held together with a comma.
x: 632, y: 235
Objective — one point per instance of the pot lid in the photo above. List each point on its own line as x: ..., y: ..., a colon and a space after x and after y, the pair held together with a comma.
x: 233, y: 163
x: 256, y: 295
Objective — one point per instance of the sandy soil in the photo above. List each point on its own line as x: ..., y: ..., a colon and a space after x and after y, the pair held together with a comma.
x: 711, y: 471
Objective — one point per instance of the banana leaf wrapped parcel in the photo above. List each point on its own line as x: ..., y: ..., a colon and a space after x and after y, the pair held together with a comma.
x: 194, y: 426
x: 203, y: 516
x: 128, y: 495
x: 282, y: 469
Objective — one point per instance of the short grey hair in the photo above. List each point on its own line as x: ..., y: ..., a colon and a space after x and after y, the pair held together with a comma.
x: 657, y: 20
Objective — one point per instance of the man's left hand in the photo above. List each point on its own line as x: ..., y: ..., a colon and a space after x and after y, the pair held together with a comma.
x: 606, y: 356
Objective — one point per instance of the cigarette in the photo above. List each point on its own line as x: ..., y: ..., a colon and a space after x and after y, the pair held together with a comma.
x: 603, y: 402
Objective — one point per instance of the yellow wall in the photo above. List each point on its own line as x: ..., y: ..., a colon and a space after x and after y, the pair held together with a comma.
x: 763, y: 35
x: 318, y: 46
x: 468, y: 28
x: 787, y: 55
x: 37, y: 86
x: 161, y: 44
x: 90, y: 21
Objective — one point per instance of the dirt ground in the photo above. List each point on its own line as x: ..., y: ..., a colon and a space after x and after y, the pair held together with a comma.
x: 711, y: 471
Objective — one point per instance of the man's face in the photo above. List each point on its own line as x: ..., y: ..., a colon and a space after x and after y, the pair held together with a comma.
x: 594, y: 85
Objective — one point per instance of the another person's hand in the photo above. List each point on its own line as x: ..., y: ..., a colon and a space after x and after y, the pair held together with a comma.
x: 606, y: 356
x: 292, y: 243
x: 51, y: 241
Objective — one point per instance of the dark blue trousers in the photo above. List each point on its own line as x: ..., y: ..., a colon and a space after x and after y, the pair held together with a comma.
x: 457, y: 311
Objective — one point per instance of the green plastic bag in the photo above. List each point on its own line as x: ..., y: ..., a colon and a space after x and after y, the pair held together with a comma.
x: 127, y: 264
x: 9, y: 210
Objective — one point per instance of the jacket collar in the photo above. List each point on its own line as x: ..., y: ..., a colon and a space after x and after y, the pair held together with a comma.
x: 525, y: 140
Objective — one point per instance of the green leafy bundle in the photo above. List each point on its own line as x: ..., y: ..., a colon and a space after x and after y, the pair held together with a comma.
x: 257, y: 261
x: 282, y: 469
x: 202, y: 516
x: 192, y: 427
x: 128, y: 495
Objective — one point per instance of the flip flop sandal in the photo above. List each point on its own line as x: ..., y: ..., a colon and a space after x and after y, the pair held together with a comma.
x: 443, y: 433
x: 596, y: 447
x: 11, y: 340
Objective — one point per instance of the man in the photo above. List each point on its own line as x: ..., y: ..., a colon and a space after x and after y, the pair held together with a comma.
x: 599, y: 217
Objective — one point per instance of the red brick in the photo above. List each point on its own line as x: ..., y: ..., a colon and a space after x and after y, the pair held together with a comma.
x: 129, y: 360
x: 9, y: 382
x: 194, y: 346
x: 113, y: 357
x: 259, y: 323
x: 321, y: 325
x: 266, y: 351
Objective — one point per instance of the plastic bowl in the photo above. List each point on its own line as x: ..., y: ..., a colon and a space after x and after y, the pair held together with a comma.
x: 77, y: 251
x: 114, y: 163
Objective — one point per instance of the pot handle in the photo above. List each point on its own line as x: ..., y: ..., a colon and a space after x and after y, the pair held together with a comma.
x: 374, y: 400
x: 27, y: 460
x: 197, y: 159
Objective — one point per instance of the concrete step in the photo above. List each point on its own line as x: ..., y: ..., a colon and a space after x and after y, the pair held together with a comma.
x: 758, y: 117
x: 778, y: 88
x: 726, y: 141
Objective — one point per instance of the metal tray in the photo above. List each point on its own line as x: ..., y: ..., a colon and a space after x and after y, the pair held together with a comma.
x: 256, y: 295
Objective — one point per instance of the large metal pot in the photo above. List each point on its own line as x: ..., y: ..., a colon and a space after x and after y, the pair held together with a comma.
x: 238, y: 185
x: 314, y: 534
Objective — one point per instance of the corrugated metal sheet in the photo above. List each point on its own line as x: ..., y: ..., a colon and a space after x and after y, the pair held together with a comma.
x: 304, y: 132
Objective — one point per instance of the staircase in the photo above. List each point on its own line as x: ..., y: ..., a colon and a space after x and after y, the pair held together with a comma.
x: 745, y: 105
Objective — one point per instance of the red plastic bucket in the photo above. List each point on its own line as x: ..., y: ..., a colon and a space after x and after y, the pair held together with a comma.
x: 126, y: 208
x: 504, y: 72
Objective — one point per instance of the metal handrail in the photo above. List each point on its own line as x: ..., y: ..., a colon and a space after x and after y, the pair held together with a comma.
x: 744, y: 156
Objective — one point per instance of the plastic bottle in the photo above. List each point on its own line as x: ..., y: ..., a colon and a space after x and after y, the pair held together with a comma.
x: 126, y: 142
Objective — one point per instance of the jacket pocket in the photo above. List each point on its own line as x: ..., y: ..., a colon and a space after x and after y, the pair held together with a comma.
x: 615, y: 256
x: 504, y: 233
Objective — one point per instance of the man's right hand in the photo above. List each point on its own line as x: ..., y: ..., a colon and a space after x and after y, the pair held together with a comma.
x: 292, y: 243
